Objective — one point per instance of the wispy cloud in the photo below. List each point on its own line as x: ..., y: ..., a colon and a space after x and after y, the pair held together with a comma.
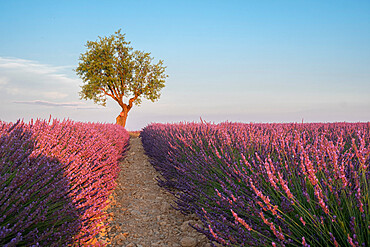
x: 76, y: 105
x: 47, y: 103
x: 30, y: 79
x: 28, y: 65
x: 30, y: 89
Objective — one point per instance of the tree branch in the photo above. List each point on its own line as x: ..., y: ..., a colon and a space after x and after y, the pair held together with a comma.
x: 114, y: 92
x: 106, y: 93
x: 119, y: 100
x: 131, y: 101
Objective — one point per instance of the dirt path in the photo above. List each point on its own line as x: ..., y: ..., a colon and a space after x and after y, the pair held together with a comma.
x: 141, y: 211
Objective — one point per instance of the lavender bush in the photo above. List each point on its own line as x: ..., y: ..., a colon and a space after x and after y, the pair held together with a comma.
x: 268, y: 184
x: 34, y: 203
x: 55, y: 180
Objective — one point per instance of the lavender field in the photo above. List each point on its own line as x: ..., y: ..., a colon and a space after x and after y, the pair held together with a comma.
x: 55, y: 180
x: 268, y: 184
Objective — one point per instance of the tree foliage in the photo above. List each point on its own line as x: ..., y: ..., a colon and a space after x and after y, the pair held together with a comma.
x: 110, y: 67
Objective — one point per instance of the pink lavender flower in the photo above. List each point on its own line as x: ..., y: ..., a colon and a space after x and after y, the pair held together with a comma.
x: 319, y: 196
x: 240, y: 220
x: 350, y: 241
x: 285, y: 187
x: 304, y: 243
x: 219, y: 239
x: 278, y: 234
x: 270, y: 170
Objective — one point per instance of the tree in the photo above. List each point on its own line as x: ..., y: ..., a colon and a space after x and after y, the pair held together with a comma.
x: 111, y: 68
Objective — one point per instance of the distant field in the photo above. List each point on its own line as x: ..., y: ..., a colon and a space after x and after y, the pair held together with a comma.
x: 134, y: 133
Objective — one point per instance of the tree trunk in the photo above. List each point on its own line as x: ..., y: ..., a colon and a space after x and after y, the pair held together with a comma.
x: 121, y: 118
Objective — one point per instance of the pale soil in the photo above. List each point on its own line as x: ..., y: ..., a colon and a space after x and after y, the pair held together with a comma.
x: 141, y: 212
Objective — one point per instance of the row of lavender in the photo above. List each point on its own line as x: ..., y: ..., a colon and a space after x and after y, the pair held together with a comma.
x: 268, y: 184
x: 55, y: 180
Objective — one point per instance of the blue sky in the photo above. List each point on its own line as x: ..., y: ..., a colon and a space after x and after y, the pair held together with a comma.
x: 249, y: 61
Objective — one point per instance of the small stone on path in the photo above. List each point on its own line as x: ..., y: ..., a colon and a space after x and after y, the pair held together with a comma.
x: 188, y: 242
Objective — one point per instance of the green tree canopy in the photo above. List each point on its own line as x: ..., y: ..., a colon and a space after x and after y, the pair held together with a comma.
x: 111, y: 68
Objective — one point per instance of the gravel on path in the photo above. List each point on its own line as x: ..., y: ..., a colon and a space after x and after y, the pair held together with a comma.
x: 141, y: 214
